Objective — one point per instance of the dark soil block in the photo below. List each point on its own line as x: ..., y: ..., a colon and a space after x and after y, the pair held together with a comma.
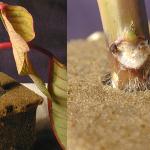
x: 17, y: 115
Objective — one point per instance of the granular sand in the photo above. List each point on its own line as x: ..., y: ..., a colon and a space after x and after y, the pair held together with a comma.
x: 99, y: 117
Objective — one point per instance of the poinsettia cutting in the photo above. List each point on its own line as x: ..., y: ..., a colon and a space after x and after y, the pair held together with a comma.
x: 19, y: 25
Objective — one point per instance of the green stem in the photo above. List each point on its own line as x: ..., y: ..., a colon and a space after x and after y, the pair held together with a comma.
x: 119, y: 14
x: 125, y: 24
x: 5, y: 45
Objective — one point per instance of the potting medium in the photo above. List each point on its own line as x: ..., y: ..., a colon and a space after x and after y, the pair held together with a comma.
x: 100, y: 117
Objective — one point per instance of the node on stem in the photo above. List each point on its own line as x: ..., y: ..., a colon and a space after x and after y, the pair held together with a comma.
x: 126, y: 28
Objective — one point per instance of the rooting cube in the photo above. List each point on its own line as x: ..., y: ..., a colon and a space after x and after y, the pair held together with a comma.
x: 18, y: 107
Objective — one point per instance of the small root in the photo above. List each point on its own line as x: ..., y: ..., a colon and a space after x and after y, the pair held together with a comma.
x: 132, y: 85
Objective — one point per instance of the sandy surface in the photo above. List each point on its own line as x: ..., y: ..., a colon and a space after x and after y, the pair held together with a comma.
x: 99, y: 117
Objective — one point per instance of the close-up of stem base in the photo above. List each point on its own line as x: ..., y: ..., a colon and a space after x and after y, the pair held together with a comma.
x: 126, y: 30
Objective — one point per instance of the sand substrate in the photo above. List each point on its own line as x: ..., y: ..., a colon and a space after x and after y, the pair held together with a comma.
x: 99, y: 117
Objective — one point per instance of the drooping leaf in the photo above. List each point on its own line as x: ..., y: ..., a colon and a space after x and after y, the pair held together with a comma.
x: 21, y: 20
x: 20, y: 47
x: 59, y: 104
x: 40, y: 84
x: 20, y: 51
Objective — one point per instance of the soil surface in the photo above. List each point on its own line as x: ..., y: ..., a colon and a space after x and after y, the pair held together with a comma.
x: 99, y: 117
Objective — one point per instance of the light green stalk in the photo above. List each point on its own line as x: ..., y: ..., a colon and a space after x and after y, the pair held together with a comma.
x: 125, y: 24
x: 117, y: 15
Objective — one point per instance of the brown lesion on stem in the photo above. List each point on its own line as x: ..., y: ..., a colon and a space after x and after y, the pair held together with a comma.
x: 130, y: 64
x: 126, y: 27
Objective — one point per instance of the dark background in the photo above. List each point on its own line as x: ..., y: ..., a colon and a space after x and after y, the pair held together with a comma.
x: 84, y: 19
x: 50, y: 25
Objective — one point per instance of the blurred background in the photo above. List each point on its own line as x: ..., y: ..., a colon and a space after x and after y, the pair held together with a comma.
x: 84, y: 18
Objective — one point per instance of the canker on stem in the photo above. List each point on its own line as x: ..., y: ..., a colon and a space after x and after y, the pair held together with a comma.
x: 126, y: 27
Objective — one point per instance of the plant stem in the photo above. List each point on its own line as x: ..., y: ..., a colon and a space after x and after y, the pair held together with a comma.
x: 5, y: 45
x: 125, y: 24
x: 40, y: 49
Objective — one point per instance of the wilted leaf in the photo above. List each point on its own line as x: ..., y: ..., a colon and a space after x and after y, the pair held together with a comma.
x: 59, y: 104
x: 20, y: 51
x: 20, y: 47
x: 16, y: 19
x: 21, y: 20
